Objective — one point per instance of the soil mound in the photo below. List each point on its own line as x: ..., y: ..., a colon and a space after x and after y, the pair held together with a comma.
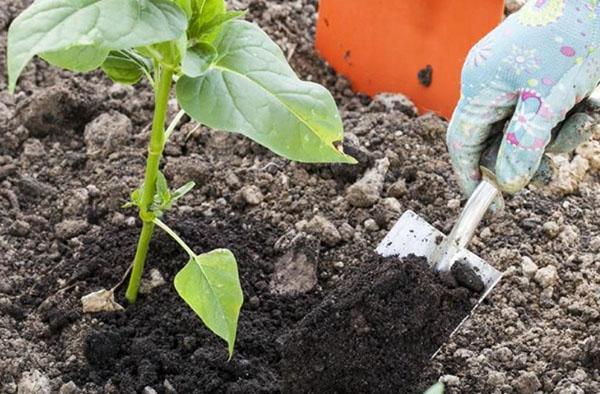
x: 376, y: 332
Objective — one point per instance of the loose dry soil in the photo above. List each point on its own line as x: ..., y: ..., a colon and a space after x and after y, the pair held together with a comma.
x: 73, y: 147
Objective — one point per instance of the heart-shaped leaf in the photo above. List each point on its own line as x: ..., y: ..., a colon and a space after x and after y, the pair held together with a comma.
x: 210, y: 285
x: 55, y: 27
x: 250, y: 89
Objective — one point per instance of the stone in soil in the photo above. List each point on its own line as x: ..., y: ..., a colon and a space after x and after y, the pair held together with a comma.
x: 467, y: 276
x: 367, y: 190
x: 375, y: 332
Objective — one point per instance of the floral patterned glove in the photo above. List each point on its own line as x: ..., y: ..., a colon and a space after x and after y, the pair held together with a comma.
x: 534, y: 67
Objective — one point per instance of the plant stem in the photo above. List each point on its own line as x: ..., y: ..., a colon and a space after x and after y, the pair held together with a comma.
x: 176, y: 237
x: 155, y: 149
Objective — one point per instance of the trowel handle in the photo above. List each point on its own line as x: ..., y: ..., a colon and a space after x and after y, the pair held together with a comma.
x: 465, y: 226
x: 473, y: 213
x: 475, y: 208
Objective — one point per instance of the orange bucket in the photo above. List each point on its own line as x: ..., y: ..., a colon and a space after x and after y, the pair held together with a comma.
x: 413, y: 47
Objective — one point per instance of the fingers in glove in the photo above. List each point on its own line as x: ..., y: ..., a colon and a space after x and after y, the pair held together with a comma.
x: 524, y: 142
x: 574, y: 131
x: 468, y: 131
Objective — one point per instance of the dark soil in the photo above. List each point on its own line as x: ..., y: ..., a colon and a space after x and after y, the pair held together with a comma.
x: 376, y: 332
x: 159, y: 339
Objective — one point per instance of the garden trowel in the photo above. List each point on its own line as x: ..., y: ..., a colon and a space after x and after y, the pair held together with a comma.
x: 414, y: 235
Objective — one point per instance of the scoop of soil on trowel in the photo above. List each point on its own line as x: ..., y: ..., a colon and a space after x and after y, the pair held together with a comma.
x: 377, y: 331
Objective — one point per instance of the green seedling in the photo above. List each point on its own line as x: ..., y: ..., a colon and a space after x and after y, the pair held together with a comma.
x: 228, y: 75
x: 437, y: 388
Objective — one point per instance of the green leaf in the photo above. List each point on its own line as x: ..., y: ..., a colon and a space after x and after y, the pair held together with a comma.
x: 208, y: 9
x: 183, y: 190
x: 210, y: 285
x: 125, y: 68
x: 437, y: 388
x: 77, y: 58
x: 204, y: 12
x: 250, y: 89
x: 219, y: 20
x: 135, y: 198
x: 186, y: 6
x: 56, y: 26
x: 162, y: 188
x: 198, y: 59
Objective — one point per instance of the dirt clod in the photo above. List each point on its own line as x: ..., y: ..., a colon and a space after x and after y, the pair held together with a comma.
x: 367, y: 190
x: 546, y: 276
x: 527, y: 383
x: 34, y: 382
x: 322, y: 227
x: 71, y: 228
x: 106, y: 134
x: 467, y: 276
x: 56, y: 108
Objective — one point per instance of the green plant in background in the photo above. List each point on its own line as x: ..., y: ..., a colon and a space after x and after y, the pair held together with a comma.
x: 228, y: 75
x: 437, y: 388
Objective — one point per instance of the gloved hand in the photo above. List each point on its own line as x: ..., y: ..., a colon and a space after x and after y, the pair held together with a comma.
x: 535, y: 67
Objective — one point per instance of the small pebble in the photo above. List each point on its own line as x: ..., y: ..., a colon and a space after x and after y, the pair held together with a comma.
x: 254, y: 302
x: 398, y: 188
x: 252, y: 195
x: 371, y: 225
x: 486, y: 233
x: 454, y: 203
x: 546, y: 276
x: 528, y: 266
x: 323, y: 228
x: 551, y: 229
x: 169, y: 389
x: 450, y: 380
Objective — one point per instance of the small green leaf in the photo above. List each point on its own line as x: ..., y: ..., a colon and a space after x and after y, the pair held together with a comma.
x: 186, y: 6
x: 198, y: 59
x: 208, y: 9
x: 124, y: 68
x: 437, y: 388
x: 183, y: 190
x: 162, y: 188
x: 210, y: 285
x: 218, y: 21
x: 57, y: 26
x: 250, y: 89
x: 204, y: 12
x: 135, y: 198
